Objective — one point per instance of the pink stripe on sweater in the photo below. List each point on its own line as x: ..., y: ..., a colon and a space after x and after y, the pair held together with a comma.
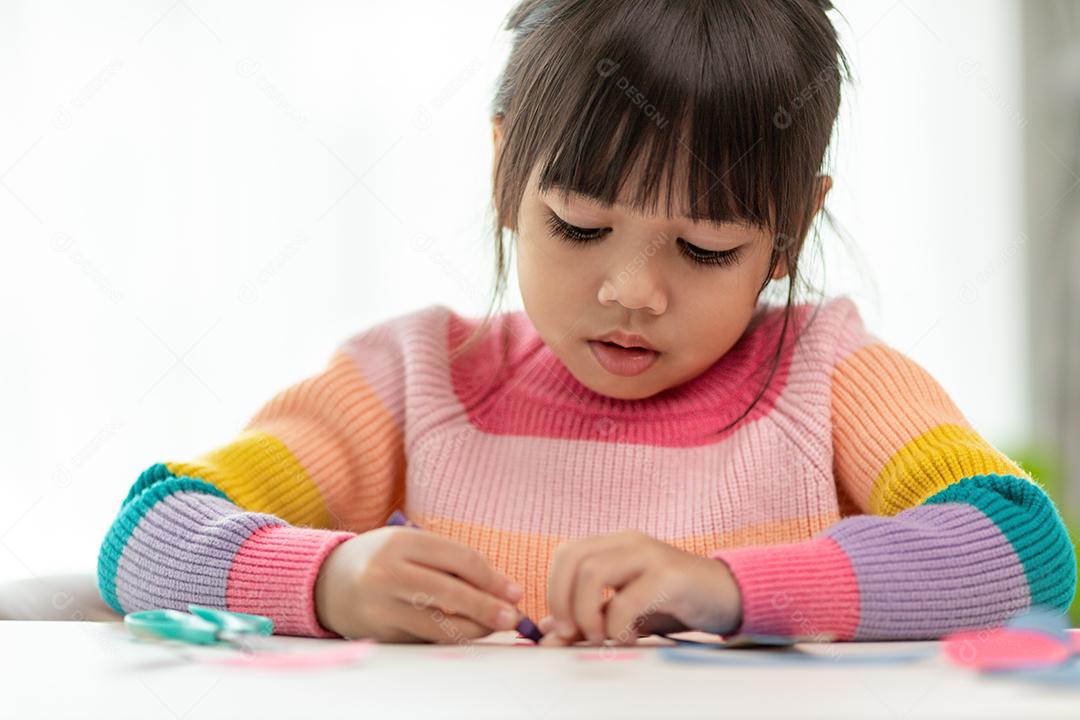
x: 548, y: 487
x: 806, y: 588
x: 545, y: 400
x: 274, y: 574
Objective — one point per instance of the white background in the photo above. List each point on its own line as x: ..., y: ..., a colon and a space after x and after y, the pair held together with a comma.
x: 199, y: 200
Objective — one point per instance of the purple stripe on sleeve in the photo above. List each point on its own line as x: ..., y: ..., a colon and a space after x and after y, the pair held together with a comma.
x: 930, y: 570
x: 181, y: 552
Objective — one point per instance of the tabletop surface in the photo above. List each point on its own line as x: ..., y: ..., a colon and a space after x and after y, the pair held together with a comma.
x: 89, y: 669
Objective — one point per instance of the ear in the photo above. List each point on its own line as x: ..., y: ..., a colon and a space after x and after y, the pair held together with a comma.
x: 497, y: 140
x: 824, y: 185
x: 781, y: 268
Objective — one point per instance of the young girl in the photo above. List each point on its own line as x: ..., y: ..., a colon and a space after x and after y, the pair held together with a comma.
x: 647, y: 446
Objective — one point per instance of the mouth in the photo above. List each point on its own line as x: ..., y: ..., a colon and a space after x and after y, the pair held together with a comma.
x: 623, y: 360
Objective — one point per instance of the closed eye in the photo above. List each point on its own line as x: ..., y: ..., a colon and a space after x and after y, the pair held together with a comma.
x: 581, y: 236
x: 572, y: 232
x: 721, y: 258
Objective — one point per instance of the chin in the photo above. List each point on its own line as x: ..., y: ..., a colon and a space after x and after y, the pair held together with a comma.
x: 626, y: 388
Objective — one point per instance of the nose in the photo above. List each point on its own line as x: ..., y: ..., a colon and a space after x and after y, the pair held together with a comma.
x: 634, y: 287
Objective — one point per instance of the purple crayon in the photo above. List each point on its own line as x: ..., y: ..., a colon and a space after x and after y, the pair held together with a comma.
x: 526, y: 627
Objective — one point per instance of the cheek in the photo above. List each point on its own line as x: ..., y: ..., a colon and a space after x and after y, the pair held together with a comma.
x: 753, y: 269
x: 551, y: 265
x: 530, y: 271
x: 712, y: 331
x: 548, y: 282
x: 730, y: 292
x: 718, y: 307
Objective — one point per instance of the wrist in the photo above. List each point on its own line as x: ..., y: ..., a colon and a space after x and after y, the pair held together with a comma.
x: 327, y: 589
x: 321, y: 594
x: 729, y: 606
x: 274, y: 574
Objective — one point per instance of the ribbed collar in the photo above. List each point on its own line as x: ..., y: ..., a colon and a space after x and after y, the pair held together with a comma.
x: 536, y: 394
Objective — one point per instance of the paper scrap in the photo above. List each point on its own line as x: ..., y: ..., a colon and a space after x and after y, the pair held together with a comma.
x: 604, y: 654
x: 790, y: 655
x: 1037, y: 638
x: 348, y: 651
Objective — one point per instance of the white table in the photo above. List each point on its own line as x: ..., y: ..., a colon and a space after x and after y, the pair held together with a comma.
x: 88, y: 669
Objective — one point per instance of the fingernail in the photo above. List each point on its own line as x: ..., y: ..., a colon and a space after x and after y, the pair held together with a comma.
x: 505, y: 619
x: 545, y: 623
x: 513, y: 592
x: 565, y: 629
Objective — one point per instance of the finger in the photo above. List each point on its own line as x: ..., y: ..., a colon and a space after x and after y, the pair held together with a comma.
x: 453, y: 557
x: 433, y: 625
x: 426, y: 588
x: 393, y: 634
x: 634, y: 607
x: 561, y: 576
x: 556, y: 640
x: 660, y: 623
x: 614, y: 568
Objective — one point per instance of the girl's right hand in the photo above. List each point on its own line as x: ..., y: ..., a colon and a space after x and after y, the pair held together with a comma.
x: 394, y: 584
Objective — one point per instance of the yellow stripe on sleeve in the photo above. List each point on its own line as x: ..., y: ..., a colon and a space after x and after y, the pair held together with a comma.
x: 259, y: 474
x: 931, y: 462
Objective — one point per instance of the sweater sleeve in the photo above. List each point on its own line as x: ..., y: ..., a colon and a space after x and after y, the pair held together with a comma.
x: 245, y: 527
x: 939, y: 530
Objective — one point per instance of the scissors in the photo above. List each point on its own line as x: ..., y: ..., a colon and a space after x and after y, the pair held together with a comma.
x: 201, y: 626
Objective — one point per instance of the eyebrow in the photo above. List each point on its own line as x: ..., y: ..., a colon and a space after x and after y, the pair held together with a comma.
x: 714, y: 224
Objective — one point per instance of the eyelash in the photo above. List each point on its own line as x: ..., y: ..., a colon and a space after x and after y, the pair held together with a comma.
x: 582, y: 236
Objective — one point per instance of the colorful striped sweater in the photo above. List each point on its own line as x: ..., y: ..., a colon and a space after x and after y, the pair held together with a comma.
x: 854, y: 499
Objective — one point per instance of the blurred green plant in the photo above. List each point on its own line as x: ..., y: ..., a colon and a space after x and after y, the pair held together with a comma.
x: 1048, y: 470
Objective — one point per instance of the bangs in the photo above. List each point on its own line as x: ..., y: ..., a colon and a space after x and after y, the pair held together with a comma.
x: 697, y: 102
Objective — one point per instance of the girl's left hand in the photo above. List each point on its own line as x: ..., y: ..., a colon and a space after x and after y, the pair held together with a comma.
x: 658, y: 588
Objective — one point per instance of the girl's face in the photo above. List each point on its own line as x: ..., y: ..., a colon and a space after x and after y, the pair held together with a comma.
x: 636, y: 274
x: 689, y: 289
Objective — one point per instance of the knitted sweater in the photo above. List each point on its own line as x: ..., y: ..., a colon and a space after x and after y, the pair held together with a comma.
x: 854, y: 498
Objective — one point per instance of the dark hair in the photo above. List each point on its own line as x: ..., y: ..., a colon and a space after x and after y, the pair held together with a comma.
x: 743, y: 93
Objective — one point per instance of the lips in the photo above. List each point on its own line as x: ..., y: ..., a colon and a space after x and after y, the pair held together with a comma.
x: 620, y: 360
x: 619, y: 338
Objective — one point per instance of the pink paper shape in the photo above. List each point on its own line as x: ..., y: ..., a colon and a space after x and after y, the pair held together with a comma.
x: 347, y: 652
x: 601, y: 655
x: 1006, y: 648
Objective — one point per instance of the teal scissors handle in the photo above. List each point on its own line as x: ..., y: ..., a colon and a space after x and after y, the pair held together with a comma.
x: 202, y: 626
x: 234, y: 622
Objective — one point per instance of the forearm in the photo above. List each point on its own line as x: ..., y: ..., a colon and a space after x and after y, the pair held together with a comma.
x: 180, y: 540
x: 970, y: 556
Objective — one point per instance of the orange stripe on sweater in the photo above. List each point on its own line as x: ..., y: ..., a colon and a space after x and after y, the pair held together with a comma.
x: 898, y: 437
x: 347, y: 441
x: 526, y: 558
x: 877, y: 387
